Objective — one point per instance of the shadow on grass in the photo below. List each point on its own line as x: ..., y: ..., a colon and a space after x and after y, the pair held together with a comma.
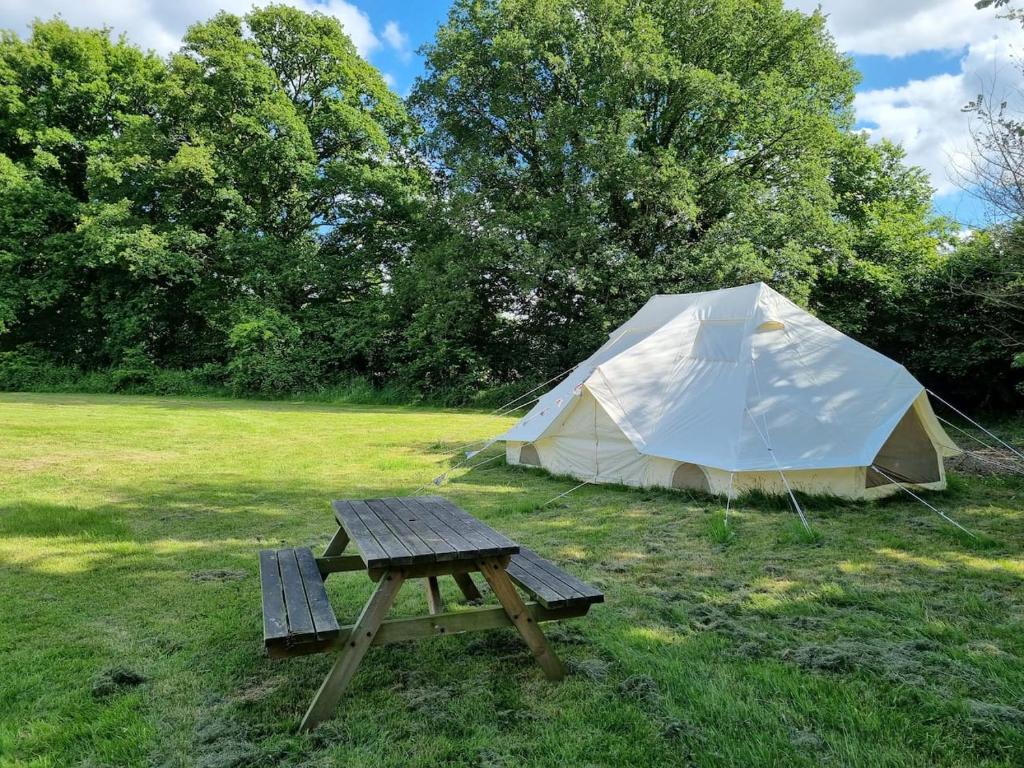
x: 205, y: 403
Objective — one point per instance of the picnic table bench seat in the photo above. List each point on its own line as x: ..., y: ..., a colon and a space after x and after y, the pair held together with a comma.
x: 548, y: 584
x: 296, y: 612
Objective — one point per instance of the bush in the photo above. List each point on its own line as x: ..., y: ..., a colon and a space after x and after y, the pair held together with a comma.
x: 26, y: 368
x: 136, y: 370
x: 268, y: 358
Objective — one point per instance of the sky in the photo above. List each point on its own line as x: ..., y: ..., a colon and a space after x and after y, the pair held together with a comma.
x: 920, y: 60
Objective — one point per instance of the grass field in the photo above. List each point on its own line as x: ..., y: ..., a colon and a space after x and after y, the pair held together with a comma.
x: 130, y: 630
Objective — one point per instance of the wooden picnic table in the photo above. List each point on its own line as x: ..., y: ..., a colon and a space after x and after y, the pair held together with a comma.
x: 397, y: 539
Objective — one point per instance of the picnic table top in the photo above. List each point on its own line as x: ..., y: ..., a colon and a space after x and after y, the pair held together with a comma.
x: 416, y: 530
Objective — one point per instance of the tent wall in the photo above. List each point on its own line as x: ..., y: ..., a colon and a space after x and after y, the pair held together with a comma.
x: 586, y: 444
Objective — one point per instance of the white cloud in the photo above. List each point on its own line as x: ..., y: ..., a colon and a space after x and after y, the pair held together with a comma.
x: 160, y: 25
x: 925, y: 115
x: 397, y: 39
x: 901, y: 27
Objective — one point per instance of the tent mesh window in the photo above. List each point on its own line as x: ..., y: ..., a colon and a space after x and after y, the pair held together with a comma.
x: 908, y: 455
x: 718, y: 341
x: 690, y: 477
x: 528, y: 455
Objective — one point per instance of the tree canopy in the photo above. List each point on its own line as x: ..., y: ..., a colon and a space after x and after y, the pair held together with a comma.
x: 260, y: 209
x: 599, y: 152
x: 234, y: 204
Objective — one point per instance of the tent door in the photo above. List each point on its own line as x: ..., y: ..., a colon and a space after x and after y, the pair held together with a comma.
x: 908, y: 455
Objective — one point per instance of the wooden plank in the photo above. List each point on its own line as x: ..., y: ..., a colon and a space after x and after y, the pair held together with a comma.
x: 396, y: 550
x: 418, y: 548
x: 358, y: 641
x: 505, y: 545
x: 370, y: 550
x: 464, y: 548
x: 300, y: 622
x: 422, y: 570
x: 275, y: 619
x: 524, y: 622
x: 438, y: 544
x: 571, y: 582
x: 324, y: 621
x: 536, y: 587
x: 435, y: 604
x: 469, y: 590
x: 536, y: 572
x: 339, y: 564
x: 422, y: 627
x: 482, y: 545
x: 338, y: 543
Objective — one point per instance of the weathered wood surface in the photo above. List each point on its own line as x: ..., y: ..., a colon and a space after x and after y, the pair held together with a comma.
x: 275, y: 617
x: 435, y: 604
x: 465, y: 582
x: 295, y: 605
x: 324, y: 622
x: 550, y: 585
x: 357, y: 644
x: 337, y: 544
x: 339, y: 563
x: 510, y: 600
x: 423, y: 627
x: 392, y: 532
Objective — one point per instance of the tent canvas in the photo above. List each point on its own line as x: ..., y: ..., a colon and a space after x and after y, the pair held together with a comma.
x: 731, y: 389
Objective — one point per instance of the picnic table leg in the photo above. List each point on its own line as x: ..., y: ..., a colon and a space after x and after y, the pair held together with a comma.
x: 338, y: 543
x: 434, y: 602
x: 360, y: 638
x: 465, y: 582
x: 510, y: 600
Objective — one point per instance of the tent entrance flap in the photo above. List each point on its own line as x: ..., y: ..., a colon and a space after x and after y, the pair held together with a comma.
x: 690, y: 477
x: 908, y: 455
x: 528, y: 455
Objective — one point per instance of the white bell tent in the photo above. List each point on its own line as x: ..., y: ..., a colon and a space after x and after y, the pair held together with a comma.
x: 733, y: 390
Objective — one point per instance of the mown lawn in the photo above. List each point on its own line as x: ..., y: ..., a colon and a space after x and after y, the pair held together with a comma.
x: 129, y: 529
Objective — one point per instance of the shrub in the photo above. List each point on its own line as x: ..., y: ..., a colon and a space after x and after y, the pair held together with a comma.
x: 267, y: 357
x: 27, y: 368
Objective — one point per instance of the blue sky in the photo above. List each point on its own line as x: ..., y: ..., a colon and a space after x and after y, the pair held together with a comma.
x: 921, y: 60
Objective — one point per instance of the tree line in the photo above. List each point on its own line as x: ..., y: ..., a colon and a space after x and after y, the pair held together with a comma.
x: 259, y: 212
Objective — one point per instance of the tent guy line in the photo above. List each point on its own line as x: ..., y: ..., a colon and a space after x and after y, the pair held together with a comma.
x: 789, y: 490
x: 936, y: 510
x: 999, y: 440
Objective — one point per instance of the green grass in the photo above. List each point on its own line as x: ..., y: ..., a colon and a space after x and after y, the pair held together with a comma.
x: 128, y: 536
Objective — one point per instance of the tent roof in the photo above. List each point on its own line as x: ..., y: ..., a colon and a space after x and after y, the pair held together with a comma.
x: 740, y: 379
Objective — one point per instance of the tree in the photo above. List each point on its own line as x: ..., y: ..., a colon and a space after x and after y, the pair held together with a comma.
x: 63, y: 90
x: 596, y: 153
x: 260, y: 180
x: 986, y: 272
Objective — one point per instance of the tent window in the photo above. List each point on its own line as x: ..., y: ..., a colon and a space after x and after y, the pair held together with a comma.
x: 908, y: 455
x: 718, y: 340
x: 690, y: 477
x: 528, y: 455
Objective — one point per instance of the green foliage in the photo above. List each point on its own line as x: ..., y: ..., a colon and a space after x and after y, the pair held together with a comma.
x: 795, y: 532
x: 266, y: 355
x: 147, y: 205
x: 603, y: 152
x: 260, y: 205
x: 720, y: 529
